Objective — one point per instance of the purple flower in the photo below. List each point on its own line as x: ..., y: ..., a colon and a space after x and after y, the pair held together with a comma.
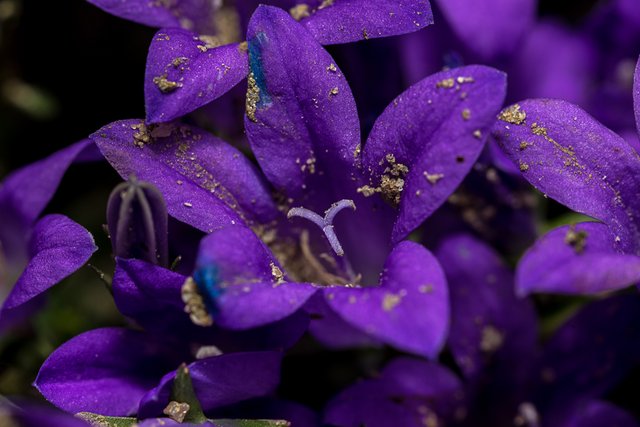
x: 36, y: 253
x: 572, y: 158
x: 187, y: 69
x: 303, y: 128
x: 119, y: 372
x: 506, y: 378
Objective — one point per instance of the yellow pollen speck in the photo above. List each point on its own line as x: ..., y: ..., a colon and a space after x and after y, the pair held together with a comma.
x: 577, y: 239
x: 333, y: 91
x: 332, y: 67
x: 446, y: 83
x: 176, y: 411
x: 390, y: 301
x: 524, y: 145
x: 426, y: 289
x: 194, y: 304
x: 524, y: 167
x: 165, y: 85
x: 477, y: 134
x: 365, y: 35
x: 466, y: 114
x: 491, y: 339
x: 253, y: 97
x: 513, y: 115
x: 300, y: 11
x: 433, y: 178
x: 463, y: 80
x: 325, y: 4
x: 276, y: 273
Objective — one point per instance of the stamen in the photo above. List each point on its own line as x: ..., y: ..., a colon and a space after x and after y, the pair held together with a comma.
x: 326, y: 223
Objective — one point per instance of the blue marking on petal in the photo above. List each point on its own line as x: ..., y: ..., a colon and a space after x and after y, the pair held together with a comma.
x: 255, y: 64
x: 208, y: 281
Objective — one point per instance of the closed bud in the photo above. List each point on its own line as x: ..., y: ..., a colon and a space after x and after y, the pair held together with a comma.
x: 137, y: 221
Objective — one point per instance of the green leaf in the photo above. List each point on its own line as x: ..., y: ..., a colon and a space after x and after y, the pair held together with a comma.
x: 102, y: 421
x: 182, y: 392
x: 251, y: 423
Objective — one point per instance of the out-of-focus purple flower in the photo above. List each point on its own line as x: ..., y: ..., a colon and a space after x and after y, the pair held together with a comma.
x: 303, y: 128
x: 113, y: 371
x: 36, y: 253
x: 507, y: 379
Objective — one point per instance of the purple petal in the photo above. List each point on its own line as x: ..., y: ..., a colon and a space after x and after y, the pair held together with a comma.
x: 437, y: 130
x: 408, y: 392
x: 34, y: 415
x: 569, y: 156
x: 594, y: 413
x: 490, y: 28
x: 410, y: 308
x: 151, y: 295
x: 344, y: 21
x: 580, y: 259
x: 221, y: 380
x: 104, y: 371
x: 301, y: 118
x: 189, y: 14
x: 489, y: 324
x: 636, y: 95
x: 553, y: 62
x: 251, y: 293
x: 206, y: 182
x: 26, y: 192
x: 591, y: 352
x: 333, y: 332
x: 185, y: 72
x: 58, y: 248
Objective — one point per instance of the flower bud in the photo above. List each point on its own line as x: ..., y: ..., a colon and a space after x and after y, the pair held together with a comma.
x: 137, y: 221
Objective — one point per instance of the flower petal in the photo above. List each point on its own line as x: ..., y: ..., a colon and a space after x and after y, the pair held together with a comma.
x: 58, y: 247
x: 489, y: 325
x: 410, y: 308
x: 301, y: 118
x: 591, y: 352
x: 28, y: 414
x: 206, y: 182
x: 595, y: 413
x: 331, y: 330
x: 26, y: 192
x: 151, y: 295
x: 104, y: 371
x: 251, y: 287
x: 580, y: 259
x: 186, y: 71
x: 344, y: 21
x: 189, y: 14
x: 553, y: 61
x: 436, y: 130
x: 221, y: 380
x: 490, y: 28
x: 408, y: 392
x: 636, y: 95
x: 572, y: 158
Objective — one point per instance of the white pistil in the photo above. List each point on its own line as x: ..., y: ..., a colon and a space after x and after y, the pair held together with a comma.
x: 326, y: 222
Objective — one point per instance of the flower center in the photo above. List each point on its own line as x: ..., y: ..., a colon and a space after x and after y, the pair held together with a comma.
x: 325, y: 223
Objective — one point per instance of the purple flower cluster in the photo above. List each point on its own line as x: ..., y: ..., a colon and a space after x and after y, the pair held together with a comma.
x: 415, y: 239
